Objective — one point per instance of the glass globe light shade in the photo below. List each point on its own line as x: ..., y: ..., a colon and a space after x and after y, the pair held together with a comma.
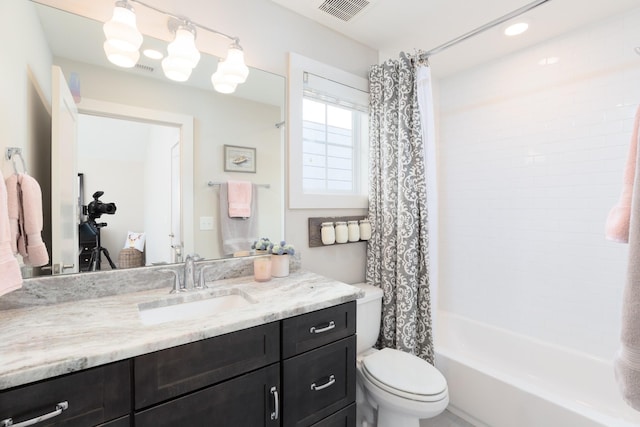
x: 176, y: 69
x: 221, y: 83
x: 183, y: 48
x: 121, y: 31
x: 121, y: 58
x: 233, y: 67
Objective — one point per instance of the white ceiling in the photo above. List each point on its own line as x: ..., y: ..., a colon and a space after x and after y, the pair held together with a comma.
x: 392, y: 26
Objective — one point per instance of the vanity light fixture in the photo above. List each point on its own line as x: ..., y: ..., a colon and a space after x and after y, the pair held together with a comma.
x: 183, y: 56
x: 233, y: 67
x: 122, y: 36
x: 124, y: 41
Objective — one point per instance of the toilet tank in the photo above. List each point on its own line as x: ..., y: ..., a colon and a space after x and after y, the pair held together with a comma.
x: 368, y: 316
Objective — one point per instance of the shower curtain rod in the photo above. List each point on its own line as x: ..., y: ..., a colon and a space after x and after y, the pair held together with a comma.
x: 483, y: 28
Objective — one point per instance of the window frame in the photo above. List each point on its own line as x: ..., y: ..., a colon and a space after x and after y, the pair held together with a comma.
x: 297, y: 198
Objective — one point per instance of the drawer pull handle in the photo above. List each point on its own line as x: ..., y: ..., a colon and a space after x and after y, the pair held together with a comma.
x: 276, y: 401
x: 59, y: 408
x: 315, y: 330
x: 332, y: 380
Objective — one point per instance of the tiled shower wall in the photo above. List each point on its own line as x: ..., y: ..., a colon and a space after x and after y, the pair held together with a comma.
x: 531, y: 160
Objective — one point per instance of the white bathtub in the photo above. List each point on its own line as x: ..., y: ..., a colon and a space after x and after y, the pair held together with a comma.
x: 500, y: 379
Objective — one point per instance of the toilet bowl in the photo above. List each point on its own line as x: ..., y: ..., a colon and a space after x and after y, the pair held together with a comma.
x: 395, y: 389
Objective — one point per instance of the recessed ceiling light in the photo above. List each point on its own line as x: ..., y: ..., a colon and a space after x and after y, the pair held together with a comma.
x: 515, y: 29
x: 152, y: 54
x: 549, y: 60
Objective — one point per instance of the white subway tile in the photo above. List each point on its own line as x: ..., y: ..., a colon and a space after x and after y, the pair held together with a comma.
x: 531, y: 161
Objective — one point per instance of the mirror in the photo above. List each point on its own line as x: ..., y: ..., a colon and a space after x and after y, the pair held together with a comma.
x: 250, y: 118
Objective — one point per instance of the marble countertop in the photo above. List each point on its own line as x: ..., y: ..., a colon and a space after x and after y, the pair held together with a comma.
x: 40, y: 342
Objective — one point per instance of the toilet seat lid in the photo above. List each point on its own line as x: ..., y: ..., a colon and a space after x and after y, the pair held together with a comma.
x: 404, y: 374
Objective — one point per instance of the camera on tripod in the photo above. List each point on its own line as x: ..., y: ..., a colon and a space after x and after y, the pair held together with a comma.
x: 96, y: 208
x: 90, y: 228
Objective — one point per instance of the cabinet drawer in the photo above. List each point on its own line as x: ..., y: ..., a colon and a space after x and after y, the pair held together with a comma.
x: 243, y: 401
x: 309, y: 331
x: 179, y: 370
x: 94, y: 396
x: 343, y: 418
x: 319, y: 382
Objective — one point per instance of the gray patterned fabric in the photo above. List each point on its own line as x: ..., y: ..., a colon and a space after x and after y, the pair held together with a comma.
x: 398, y: 251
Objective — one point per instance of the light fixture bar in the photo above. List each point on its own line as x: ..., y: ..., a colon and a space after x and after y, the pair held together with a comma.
x: 182, y: 18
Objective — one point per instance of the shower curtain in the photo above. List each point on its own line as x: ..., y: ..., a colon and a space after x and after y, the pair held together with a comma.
x: 398, y: 251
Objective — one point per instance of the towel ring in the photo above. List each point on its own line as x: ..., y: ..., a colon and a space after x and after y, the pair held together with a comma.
x: 11, y: 154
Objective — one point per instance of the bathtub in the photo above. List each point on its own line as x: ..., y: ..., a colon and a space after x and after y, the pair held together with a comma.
x: 500, y: 379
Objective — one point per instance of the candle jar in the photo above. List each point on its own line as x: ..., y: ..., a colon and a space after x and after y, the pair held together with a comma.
x: 365, y: 229
x: 328, y: 233
x: 262, y: 269
x: 342, y: 233
x: 353, y: 231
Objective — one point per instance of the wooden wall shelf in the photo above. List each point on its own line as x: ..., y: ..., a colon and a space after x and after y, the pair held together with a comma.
x: 315, y: 238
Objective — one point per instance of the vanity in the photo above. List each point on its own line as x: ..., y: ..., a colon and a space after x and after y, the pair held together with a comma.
x: 284, y: 357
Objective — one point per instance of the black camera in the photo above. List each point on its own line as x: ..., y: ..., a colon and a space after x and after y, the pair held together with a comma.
x: 96, y: 208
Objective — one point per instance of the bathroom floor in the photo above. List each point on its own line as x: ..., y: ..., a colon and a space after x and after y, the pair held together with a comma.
x: 446, y: 419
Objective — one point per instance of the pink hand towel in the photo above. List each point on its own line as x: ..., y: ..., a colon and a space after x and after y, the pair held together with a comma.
x: 10, y: 276
x: 239, y: 198
x: 617, y: 225
x: 32, y: 221
x: 13, y: 203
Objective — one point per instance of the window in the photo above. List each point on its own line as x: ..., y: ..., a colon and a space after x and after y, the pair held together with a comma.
x: 333, y: 131
x: 328, y: 139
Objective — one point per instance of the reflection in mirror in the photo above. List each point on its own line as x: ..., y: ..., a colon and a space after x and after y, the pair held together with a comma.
x: 145, y: 190
x: 247, y: 118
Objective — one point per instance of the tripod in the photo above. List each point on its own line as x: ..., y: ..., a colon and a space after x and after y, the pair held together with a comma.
x: 96, y: 253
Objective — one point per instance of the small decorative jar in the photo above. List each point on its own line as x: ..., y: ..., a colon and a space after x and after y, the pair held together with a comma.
x: 365, y: 229
x: 262, y: 269
x: 353, y: 231
x: 279, y: 265
x: 342, y: 233
x: 328, y: 233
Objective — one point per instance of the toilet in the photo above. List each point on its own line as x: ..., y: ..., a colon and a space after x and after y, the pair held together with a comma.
x: 395, y: 389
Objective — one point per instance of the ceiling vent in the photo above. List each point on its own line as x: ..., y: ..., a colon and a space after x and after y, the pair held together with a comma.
x: 343, y: 9
x: 143, y: 67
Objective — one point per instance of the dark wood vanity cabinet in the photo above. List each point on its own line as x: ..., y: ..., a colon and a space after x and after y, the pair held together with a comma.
x: 96, y: 396
x: 319, y: 368
x: 243, y: 379
x: 296, y: 372
x: 176, y: 371
x: 248, y: 400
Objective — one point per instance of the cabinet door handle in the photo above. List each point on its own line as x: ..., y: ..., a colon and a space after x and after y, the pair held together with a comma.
x: 316, y: 330
x: 332, y: 380
x: 59, y: 408
x: 276, y: 403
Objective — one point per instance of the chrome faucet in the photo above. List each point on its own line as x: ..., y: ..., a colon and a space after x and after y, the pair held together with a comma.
x: 202, y: 280
x: 177, y: 287
x: 189, y: 273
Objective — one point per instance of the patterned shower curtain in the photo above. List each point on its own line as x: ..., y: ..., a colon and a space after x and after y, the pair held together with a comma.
x: 398, y: 251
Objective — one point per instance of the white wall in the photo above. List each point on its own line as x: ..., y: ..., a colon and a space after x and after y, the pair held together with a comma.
x: 531, y: 161
x: 26, y: 74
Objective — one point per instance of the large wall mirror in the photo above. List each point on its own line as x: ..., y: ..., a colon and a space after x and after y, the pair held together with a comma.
x: 118, y: 151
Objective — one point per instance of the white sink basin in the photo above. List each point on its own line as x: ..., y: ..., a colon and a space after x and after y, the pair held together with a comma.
x: 186, y: 307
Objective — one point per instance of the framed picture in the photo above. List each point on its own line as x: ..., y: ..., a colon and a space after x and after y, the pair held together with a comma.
x: 239, y: 159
